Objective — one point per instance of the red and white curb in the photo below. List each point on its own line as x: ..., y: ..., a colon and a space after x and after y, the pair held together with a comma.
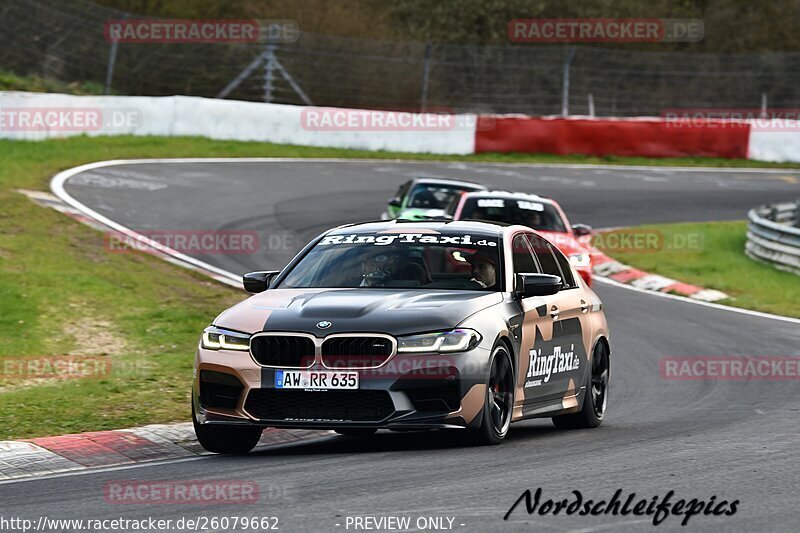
x: 45, y: 456
x: 606, y: 267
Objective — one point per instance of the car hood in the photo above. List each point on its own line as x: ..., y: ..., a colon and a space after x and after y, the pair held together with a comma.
x: 397, y: 312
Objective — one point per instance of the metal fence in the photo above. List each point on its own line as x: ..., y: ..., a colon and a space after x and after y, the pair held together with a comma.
x: 64, y: 40
x: 773, y: 235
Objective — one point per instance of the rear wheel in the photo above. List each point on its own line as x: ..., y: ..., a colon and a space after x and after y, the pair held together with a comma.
x: 595, y: 398
x: 499, y: 401
x: 226, y: 439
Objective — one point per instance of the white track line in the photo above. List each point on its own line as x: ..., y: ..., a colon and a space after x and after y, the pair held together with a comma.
x: 58, y: 181
x: 57, y: 186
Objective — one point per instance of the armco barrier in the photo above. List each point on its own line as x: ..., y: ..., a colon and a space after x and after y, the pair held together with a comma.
x: 464, y: 134
x: 645, y: 137
x: 775, y: 140
x: 773, y: 235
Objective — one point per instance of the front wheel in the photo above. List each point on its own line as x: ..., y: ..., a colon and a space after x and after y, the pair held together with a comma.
x: 499, y: 401
x: 229, y: 439
x: 595, y: 398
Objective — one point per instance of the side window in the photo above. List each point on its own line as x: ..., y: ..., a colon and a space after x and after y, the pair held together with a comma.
x: 566, y: 269
x: 522, y: 256
x: 545, y: 255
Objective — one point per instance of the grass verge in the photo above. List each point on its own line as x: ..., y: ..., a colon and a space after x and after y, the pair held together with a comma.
x: 711, y: 255
x: 61, y: 293
x: 36, y: 84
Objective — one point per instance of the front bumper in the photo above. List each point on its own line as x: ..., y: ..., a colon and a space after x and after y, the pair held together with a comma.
x: 410, y: 391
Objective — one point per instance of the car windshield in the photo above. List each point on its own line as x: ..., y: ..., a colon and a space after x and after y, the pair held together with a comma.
x: 429, y: 260
x: 541, y: 216
x: 433, y: 196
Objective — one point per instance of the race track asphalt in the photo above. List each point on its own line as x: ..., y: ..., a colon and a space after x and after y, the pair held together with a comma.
x: 733, y: 440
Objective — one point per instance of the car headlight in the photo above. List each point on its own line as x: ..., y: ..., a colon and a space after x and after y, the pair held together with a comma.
x: 215, y: 338
x: 458, y: 340
x: 580, y: 260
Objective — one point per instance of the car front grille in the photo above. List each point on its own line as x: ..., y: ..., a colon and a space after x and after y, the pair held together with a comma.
x: 348, y: 406
x: 286, y: 351
x: 356, y: 352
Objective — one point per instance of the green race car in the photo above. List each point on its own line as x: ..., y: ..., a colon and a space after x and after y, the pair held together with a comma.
x: 424, y: 198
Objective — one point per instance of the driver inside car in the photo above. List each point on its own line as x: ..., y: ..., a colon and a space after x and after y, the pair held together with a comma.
x: 377, y: 269
x: 484, y: 270
x: 381, y: 268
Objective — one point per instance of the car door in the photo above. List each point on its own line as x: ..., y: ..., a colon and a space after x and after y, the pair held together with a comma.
x: 566, y: 308
x: 540, y: 333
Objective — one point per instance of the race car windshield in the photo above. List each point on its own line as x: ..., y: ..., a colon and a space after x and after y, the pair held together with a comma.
x: 540, y: 216
x: 400, y: 261
x: 430, y: 196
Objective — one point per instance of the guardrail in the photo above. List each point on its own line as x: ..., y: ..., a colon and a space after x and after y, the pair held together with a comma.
x: 773, y: 235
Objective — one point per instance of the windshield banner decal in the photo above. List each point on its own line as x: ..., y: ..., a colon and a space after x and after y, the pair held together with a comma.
x: 406, y: 238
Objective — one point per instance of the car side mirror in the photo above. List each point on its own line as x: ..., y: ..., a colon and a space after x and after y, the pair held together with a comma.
x: 396, y: 202
x: 258, y: 281
x: 538, y: 285
x: 581, y: 230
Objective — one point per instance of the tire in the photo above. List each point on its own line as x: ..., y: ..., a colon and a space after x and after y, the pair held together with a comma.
x: 356, y: 432
x: 228, y: 439
x: 499, y: 400
x: 595, y: 400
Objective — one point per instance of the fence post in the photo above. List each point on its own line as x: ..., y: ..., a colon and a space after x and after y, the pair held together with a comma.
x: 591, y: 105
x: 426, y: 71
x: 565, y: 86
x: 269, y: 72
x: 112, y: 61
x: 797, y: 213
x: 763, y: 105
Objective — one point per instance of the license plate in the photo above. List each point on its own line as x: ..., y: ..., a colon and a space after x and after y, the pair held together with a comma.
x: 309, y: 379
